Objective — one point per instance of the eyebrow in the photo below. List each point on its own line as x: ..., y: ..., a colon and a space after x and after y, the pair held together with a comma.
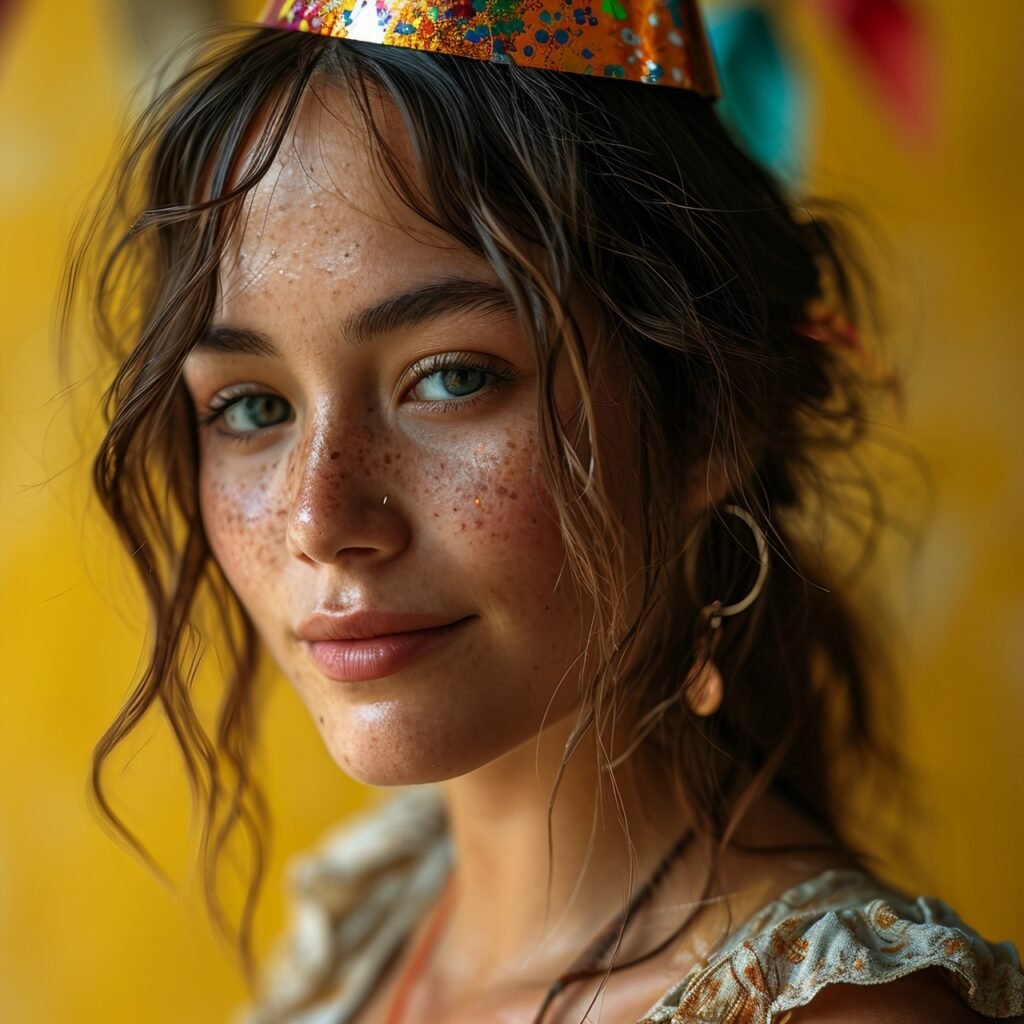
x: 422, y: 304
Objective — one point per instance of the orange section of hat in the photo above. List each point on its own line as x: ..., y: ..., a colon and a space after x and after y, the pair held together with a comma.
x: 657, y: 42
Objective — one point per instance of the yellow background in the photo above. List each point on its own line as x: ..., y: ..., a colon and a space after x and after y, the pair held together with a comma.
x: 85, y: 932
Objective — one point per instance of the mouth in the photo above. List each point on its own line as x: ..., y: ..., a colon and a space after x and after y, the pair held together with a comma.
x: 377, y: 657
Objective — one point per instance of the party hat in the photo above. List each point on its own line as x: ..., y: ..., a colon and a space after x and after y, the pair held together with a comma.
x: 658, y: 42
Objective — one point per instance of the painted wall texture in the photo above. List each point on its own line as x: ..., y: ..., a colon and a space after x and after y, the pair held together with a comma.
x: 86, y: 932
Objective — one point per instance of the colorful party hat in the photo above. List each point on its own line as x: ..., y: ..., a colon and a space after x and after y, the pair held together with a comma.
x: 659, y: 42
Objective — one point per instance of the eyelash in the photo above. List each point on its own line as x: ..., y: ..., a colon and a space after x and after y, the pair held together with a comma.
x: 427, y: 368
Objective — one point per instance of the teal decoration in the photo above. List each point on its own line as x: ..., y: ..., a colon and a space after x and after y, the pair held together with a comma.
x: 764, y: 99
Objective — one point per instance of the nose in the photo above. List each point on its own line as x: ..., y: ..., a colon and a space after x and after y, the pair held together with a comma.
x: 338, y: 510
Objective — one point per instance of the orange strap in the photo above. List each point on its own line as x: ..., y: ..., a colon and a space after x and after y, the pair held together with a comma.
x: 421, y: 954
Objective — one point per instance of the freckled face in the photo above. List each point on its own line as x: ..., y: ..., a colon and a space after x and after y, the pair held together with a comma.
x: 312, y: 435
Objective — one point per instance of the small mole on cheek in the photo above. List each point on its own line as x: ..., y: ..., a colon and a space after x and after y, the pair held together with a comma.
x: 335, y: 455
x: 321, y: 719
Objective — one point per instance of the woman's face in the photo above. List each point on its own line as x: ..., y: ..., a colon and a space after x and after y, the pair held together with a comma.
x: 375, y: 455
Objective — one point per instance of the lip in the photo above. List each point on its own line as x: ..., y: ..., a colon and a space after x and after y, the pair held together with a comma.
x: 364, y: 646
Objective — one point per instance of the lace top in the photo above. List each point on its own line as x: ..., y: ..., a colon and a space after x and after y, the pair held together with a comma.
x: 356, y: 897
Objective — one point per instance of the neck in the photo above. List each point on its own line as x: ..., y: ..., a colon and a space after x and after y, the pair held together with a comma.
x: 504, y: 929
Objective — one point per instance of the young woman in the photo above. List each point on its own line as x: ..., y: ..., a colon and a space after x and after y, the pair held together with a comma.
x: 471, y: 370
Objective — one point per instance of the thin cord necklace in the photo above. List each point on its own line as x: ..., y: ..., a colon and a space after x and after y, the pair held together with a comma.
x: 585, y: 965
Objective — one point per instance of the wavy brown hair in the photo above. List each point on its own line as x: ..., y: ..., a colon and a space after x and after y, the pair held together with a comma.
x: 699, y: 269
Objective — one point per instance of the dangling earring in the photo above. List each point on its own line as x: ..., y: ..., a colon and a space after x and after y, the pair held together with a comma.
x: 703, y: 688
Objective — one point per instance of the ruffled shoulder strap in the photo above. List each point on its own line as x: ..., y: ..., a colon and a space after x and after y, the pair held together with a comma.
x: 353, y: 899
x: 841, y: 926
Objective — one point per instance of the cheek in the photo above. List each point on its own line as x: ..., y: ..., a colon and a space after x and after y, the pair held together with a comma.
x: 490, y: 497
x: 244, y: 523
x: 496, y: 518
x: 500, y: 548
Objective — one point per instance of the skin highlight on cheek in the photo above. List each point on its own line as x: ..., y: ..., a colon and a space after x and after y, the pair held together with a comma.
x: 486, y: 494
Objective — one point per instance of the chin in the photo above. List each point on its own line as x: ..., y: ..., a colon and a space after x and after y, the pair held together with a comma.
x: 392, y: 765
x: 414, y: 756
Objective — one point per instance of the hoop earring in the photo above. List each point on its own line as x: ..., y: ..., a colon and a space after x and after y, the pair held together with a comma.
x: 703, y: 688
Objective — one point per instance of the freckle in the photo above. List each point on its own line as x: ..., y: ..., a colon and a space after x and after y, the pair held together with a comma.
x: 387, y: 460
x: 479, y: 523
x: 454, y: 508
x: 437, y: 515
x: 512, y: 495
x: 462, y: 526
x: 321, y: 719
x: 335, y: 455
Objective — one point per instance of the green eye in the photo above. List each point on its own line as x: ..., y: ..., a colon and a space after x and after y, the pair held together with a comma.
x: 251, y: 413
x: 455, y: 382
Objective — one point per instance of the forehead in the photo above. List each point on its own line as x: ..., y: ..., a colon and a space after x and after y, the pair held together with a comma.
x: 324, y: 213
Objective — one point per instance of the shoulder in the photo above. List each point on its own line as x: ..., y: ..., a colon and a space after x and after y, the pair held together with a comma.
x: 922, y: 997
x: 844, y: 949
